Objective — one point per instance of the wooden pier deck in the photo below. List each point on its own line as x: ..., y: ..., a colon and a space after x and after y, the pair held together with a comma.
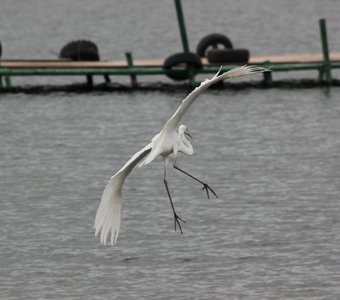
x: 10, y: 68
x: 323, y: 63
x: 307, y: 58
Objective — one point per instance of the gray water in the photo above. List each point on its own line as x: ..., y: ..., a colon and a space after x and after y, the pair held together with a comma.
x: 271, y: 155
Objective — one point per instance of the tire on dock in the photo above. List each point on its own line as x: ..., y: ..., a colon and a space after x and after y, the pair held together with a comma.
x: 228, y: 56
x: 213, y: 41
x: 180, y: 59
x: 81, y: 50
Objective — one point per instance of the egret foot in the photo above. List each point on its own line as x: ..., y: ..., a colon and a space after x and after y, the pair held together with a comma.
x: 208, y: 188
x: 177, y: 219
x: 205, y: 185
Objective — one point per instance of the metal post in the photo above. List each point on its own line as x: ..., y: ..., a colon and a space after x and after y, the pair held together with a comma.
x: 7, y: 78
x: 8, y: 81
x: 89, y: 80
x: 267, y: 78
x: 181, y: 24
x: 0, y: 64
x: 326, y: 68
x: 267, y: 75
x: 184, y: 38
x: 133, y: 77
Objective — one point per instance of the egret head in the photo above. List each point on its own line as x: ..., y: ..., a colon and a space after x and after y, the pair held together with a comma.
x: 185, y: 146
x: 184, y: 130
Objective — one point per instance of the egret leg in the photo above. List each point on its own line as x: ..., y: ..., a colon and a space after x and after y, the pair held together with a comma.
x: 177, y: 218
x: 206, y: 187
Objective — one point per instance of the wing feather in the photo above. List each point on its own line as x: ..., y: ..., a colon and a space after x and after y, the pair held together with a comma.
x: 173, y: 122
x: 108, y: 217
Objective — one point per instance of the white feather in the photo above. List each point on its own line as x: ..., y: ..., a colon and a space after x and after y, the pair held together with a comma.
x: 173, y: 122
x: 108, y: 217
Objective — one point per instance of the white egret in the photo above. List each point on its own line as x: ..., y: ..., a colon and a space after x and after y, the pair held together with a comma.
x: 170, y: 141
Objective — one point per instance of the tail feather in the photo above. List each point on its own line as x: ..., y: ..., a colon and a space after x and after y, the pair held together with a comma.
x: 108, y: 215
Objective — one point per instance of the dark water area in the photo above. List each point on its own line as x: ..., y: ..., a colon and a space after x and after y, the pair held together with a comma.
x: 272, y: 156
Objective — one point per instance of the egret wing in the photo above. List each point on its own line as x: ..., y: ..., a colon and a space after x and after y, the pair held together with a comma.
x: 108, y: 217
x: 173, y: 122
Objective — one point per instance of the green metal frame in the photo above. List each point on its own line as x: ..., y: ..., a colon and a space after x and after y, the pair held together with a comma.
x: 148, y: 70
x: 181, y: 24
x: 184, y: 39
x: 325, y: 72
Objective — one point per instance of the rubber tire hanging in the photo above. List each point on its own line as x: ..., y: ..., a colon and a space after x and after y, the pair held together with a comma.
x: 228, y: 56
x: 181, y: 59
x: 82, y: 50
x: 213, y: 41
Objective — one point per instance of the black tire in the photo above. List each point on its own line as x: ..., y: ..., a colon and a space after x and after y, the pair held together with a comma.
x: 80, y: 51
x: 212, y: 41
x: 188, y: 59
x: 228, y: 56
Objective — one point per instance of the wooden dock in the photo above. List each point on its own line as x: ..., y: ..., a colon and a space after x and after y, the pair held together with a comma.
x: 307, y: 58
x: 10, y: 68
x: 323, y: 63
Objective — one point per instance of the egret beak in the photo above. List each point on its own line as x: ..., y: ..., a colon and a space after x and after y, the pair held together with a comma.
x: 188, y: 133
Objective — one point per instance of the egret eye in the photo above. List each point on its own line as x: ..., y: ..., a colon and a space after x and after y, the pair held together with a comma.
x: 188, y: 133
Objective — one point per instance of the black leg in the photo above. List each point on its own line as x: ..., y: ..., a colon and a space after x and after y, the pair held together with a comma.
x: 206, y: 187
x: 89, y: 80
x: 176, y: 217
x: 107, y: 78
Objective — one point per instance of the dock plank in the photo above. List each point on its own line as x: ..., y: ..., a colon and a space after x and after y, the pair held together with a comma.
x: 293, y: 58
x: 277, y: 59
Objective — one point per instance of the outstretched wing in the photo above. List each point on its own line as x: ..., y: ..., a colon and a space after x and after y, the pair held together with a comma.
x: 173, y: 122
x: 108, y: 215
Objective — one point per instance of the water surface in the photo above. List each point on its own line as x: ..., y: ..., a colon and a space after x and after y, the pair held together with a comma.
x: 271, y: 155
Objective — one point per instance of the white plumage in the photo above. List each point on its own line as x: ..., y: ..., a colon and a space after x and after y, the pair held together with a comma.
x: 169, y: 141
